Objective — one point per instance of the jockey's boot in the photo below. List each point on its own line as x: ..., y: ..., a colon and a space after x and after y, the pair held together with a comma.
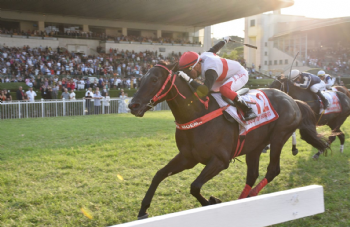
x: 247, y: 110
x: 324, y: 100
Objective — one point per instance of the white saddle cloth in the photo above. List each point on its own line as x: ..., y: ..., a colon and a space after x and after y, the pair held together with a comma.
x: 261, y: 107
x: 333, y: 100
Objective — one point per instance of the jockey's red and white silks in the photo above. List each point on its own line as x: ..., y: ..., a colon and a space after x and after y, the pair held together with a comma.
x: 227, y: 70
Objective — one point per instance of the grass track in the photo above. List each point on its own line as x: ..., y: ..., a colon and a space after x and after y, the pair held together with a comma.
x: 52, y: 167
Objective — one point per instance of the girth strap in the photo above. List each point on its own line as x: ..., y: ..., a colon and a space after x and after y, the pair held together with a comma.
x: 202, y: 120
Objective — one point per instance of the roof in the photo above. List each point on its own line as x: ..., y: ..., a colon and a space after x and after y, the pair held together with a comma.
x: 169, y: 12
x: 307, y: 25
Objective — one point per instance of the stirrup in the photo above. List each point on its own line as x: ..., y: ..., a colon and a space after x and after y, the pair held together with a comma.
x: 251, y: 116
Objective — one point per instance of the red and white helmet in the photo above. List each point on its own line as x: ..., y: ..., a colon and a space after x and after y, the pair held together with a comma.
x: 189, y: 59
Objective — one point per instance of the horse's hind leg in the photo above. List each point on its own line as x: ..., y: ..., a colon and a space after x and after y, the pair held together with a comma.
x: 294, y: 144
x: 335, y: 126
x: 176, y: 165
x: 274, y: 166
x: 342, y: 140
x: 252, y: 160
x: 213, y: 168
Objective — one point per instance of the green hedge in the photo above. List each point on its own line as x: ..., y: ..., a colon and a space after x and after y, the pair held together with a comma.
x: 263, y: 82
x: 13, y: 86
x: 81, y: 94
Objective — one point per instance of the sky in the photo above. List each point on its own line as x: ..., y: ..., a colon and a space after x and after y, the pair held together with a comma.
x: 307, y: 8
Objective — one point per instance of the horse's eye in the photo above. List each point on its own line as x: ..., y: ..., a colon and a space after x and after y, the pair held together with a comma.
x: 154, y: 79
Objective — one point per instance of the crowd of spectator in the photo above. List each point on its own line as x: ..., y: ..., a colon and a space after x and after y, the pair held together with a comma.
x: 335, y: 60
x: 18, y: 63
x: 96, y: 35
x: 48, y: 69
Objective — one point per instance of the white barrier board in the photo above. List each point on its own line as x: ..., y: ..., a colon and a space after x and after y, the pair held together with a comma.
x: 257, y: 211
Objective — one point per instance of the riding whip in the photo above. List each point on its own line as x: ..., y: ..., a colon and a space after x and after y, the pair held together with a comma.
x: 248, y: 45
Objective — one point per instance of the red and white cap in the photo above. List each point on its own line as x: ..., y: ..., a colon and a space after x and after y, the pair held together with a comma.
x: 189, y: 59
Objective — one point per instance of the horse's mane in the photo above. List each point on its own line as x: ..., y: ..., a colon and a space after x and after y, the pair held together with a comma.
x: 163, y: 63
x: 167, y: 63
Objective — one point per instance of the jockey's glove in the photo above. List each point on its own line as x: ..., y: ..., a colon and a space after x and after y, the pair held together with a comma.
x: 185, y: 76
x: 227, y: 39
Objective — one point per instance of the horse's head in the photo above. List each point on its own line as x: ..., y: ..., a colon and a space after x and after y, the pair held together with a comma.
x: 154, y: 87
x: 278, y: 83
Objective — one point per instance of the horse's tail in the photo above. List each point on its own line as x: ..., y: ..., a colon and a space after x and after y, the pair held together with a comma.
x: 307, y: 127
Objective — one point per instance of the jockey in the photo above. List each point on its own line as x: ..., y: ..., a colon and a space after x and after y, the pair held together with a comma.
x: 224, y: 75
x: 307, y: 80
x: 328, y: 80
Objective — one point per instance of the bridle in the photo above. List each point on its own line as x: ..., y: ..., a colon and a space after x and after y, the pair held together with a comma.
x: 171, y: 78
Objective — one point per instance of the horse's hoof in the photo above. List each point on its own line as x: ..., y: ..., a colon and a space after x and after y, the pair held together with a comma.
x: 213, y: 200
x: 142, y: 217
x: 295, y: 152
x: 315, y: 157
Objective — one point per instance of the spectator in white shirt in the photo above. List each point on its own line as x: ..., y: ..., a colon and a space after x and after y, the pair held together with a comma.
x: 31, y: 94
x: 72, y: 95
x: 89, y: 92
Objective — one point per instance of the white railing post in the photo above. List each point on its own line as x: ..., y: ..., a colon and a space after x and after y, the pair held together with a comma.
x: 19, y: 109
x: 27, y: 109
x: 56, y: 109
x: 42, y: 108
x: 84, y: 106
x: 64, y: 107
x: 103, y: 105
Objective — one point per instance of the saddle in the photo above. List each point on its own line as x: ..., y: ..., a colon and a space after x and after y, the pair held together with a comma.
x: 240, y: 92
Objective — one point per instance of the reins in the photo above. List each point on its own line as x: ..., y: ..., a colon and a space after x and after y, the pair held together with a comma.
x: 171, y: 77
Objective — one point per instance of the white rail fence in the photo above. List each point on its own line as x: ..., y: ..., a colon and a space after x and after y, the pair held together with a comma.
x: 62, y: 107
x: 263, y: 210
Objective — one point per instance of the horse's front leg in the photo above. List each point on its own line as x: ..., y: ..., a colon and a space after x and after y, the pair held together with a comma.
x: 176, y: 165
x: 213, y: 168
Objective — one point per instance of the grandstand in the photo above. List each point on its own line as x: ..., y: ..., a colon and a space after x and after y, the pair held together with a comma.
x: 321, y: 43
x: 52, y: 41
x: 83, y: 26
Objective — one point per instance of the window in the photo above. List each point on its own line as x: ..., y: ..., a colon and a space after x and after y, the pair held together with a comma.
x: 265, y: 53
x: 270, y: 62
x: 281, y: 62
x: 161, y: 49
x: 286, y: 61
x: 265, y: 44
x: 252, y: 23
x: 265, y: 62
x: 275, y: 62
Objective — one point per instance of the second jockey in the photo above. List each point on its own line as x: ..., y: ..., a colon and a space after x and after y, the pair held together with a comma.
x: 224, y: 75
x: 327, y: 79
x: 309, y: 81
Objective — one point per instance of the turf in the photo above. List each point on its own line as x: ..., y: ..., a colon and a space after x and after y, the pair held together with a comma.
x: 50, y: 168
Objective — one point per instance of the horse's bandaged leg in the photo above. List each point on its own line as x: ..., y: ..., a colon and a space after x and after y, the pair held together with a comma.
x: 294, y: 139
x: 342, y: 148
x: 245, y: 192
x: 258, y: 188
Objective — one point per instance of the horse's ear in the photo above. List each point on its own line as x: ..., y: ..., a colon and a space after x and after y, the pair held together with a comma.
x: 174, y: 67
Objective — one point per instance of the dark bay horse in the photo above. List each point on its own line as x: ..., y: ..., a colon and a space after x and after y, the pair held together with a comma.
x: 214, y: 143
x: 333, y: 120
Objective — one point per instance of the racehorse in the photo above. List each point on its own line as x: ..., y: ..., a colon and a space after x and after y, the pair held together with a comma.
x: 333, y: 120
x: 215, y: 142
